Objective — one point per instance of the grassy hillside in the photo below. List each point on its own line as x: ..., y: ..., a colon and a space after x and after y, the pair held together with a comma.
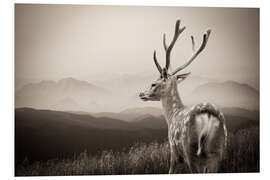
x: 43, y: 135
x: 142, y: 158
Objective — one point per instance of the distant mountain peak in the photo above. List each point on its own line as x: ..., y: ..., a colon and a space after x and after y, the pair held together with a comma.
x: 46, y: 82
x: 143, y: 110
x: 236, y: 83
x: 68, y: 79
x: 232, y: 83
x: 74, y: 81
x: 65, y: 94
x: 226, y: 94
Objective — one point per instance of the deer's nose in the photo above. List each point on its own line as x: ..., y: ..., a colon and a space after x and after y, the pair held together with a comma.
x: 141, y: 94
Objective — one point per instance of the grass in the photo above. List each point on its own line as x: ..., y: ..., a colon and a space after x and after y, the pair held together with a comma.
x: 153, y: 158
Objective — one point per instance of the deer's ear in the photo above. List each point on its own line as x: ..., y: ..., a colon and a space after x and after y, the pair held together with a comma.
x: 182, y: 77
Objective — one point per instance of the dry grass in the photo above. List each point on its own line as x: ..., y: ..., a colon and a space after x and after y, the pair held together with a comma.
x: 153, y: 158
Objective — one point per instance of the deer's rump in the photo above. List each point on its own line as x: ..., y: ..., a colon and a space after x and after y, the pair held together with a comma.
x: 207, y: 130
x: 207, y: 136
x: 202, y: 137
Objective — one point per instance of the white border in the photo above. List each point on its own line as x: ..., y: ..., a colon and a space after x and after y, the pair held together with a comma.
x: 212, y: 3
x: 7, y: 86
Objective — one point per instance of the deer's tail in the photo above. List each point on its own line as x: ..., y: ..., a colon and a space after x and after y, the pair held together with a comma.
x: 210, y: 128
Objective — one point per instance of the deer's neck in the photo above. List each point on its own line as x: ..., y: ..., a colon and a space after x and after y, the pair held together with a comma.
x: 171, y: 103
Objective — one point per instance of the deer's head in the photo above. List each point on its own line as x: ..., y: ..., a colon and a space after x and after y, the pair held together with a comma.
x: 168, y: 80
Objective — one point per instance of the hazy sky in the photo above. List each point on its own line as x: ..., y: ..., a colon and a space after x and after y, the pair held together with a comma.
x: 57, y: 41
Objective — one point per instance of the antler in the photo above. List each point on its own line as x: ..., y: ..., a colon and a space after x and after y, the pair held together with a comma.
x: 168, y: 50
x: 156, y: 62
x: 195, y: 53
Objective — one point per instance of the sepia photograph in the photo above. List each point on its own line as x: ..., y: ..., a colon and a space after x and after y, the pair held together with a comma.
x: 121, y: 90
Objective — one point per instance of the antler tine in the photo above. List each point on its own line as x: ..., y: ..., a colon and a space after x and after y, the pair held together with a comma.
x: 196, y: 53
x: 193, y: 43
x: 156, y: 62
x: 169, y: 49
x: 164, y: 42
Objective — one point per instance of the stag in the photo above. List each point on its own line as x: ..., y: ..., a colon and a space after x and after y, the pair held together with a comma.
x: 197, y: 134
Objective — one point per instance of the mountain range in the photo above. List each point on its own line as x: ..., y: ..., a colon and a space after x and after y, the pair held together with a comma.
x: 65, y: 94
x: 121, y: 92
x: 226, y: 94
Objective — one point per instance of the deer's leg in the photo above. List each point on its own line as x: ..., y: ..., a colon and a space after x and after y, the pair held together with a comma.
x: 173, y: 161
x: 214, y: 152
x: 212, y: 163
x: 214, y: 148
x: 193, y: 167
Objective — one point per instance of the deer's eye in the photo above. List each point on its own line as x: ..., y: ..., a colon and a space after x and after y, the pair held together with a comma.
x: 153, y: 85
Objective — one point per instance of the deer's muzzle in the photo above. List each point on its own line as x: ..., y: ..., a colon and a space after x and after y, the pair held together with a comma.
x: 143, y: 96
